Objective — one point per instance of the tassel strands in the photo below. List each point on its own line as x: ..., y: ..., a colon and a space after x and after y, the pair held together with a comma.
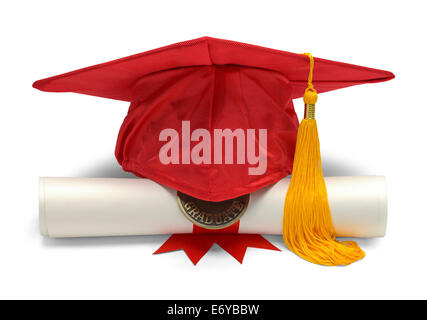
x: 308, y: 230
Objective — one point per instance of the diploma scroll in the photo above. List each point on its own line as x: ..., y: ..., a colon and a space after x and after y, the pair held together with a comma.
x: 90, y: 207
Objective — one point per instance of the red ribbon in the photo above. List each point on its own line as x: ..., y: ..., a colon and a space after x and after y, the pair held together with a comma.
x: 198, y: 243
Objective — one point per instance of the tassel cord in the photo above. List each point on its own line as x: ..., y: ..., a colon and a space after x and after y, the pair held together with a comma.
x: 308, y: 229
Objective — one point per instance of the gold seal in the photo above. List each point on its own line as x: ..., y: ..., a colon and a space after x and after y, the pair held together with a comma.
x: 212, y: 215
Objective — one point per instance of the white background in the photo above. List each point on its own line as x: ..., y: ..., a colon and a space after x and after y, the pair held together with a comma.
x: 371, y: 129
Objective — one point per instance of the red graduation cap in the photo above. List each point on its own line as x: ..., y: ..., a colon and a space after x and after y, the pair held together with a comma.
x: 214, y: 119
x: 213, y: 84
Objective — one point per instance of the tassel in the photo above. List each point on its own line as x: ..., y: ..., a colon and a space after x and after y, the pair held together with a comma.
x: 308, y: 230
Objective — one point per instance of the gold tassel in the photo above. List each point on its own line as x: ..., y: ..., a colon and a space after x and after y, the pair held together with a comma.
x: 308, y: 230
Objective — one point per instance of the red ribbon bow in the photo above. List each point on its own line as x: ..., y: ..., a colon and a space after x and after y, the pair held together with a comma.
x: 198, y: 243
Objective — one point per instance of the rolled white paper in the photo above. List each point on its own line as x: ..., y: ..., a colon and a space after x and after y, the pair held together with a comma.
x: 90, y: 207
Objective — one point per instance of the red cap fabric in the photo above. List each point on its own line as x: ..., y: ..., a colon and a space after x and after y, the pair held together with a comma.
x: 213, y: 85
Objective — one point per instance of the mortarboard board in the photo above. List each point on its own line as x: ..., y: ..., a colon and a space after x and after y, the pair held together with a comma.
x: 214, y: 119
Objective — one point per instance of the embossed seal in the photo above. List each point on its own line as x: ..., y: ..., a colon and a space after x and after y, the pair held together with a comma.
x: 212, y: 215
